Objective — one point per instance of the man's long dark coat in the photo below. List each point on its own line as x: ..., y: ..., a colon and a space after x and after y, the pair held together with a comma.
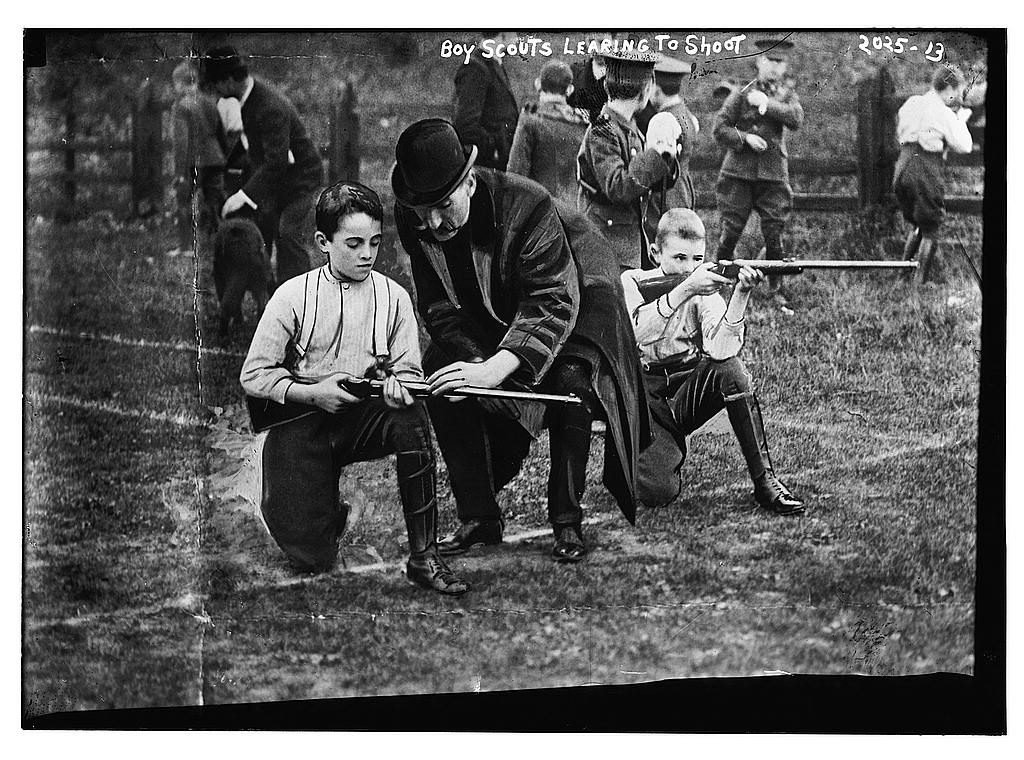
x: 545, y: 272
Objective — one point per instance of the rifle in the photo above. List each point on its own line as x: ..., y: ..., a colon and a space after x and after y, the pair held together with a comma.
x: 265, y: 414
x: 656, y: 287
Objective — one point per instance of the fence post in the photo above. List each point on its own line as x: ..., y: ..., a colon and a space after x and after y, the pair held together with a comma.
x: 343, y: 150
x: 147, y: 150
x: 876, y: 137
x: 69, y: 209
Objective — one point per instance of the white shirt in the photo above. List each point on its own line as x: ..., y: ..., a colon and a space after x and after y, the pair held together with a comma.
x: 929, y: 122
x: 695, y: 327
x: 331, y: 323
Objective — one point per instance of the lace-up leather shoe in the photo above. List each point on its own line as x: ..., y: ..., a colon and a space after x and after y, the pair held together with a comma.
x: 772, y: 494
x: 431, y: 572
x: 470, y: 534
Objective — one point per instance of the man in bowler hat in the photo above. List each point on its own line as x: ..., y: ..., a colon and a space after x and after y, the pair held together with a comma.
x: 516, y: 290
x: 286, y: 168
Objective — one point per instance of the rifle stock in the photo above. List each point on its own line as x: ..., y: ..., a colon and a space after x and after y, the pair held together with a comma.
x: 655, y: 287
x: 265, y: 414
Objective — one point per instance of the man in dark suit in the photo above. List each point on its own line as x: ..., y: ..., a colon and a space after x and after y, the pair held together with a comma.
x: 287, y: 171
x: 486, y: 111
x: 515, y: 288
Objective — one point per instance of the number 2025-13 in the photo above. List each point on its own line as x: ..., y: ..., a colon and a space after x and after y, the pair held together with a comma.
x: 899, y: 46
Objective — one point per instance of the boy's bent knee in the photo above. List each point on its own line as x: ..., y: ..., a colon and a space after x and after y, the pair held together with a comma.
x: 735, y: 379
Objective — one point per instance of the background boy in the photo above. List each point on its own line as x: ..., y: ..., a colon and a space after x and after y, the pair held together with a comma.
x: 689, y: 341
x: 666, y: 97
x: 198, y: 158
x: 927, y: 127
x: 339, y: 322
x: 549, y: 134
x: 755, y: 172
x: 617, y: 166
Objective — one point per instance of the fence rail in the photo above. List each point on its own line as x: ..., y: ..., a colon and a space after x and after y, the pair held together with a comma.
x: 874, y: 108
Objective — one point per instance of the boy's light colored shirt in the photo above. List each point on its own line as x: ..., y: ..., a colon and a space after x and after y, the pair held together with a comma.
x: 695, y: 327
x: 332, y: 323
x: 929, y: 122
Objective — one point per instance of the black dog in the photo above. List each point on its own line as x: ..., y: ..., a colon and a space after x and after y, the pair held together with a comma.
x: 240, y: 264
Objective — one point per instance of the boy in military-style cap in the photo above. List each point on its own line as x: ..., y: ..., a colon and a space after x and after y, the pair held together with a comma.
x: 667, y: 98
x: 549, y: 134
x: 618, y: 166
x: 755, y: 173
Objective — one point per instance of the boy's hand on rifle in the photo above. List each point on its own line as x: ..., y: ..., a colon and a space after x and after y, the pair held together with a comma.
x: 329, y: 394
x: 750, y: 278
x: 703, y: 281
x: 394, y: 393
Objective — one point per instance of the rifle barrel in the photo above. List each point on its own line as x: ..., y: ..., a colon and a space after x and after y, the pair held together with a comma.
x: 817, y: 264
x: 423, y: 389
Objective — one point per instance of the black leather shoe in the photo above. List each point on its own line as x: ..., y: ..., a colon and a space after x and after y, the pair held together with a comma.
x: 569, y: 546
x: 431, y: 572
x: 470, y: 534
x: 772, y: 494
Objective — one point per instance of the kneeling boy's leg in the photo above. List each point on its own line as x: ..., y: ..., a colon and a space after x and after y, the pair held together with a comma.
x: 377, y: 430
x: 300, y: 492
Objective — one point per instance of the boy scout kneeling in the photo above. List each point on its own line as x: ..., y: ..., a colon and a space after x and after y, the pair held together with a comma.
x: 340, y: 322
x: 689, y: 339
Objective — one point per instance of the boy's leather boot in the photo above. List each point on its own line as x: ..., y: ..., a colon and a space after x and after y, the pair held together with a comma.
x: 769, y: 492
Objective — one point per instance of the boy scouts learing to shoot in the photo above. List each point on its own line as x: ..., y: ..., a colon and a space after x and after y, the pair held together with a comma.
x: 617, y: 166
x: 755, y: 172
x: 927, y: 127
x: 689, y: 340
x: 343, y: 321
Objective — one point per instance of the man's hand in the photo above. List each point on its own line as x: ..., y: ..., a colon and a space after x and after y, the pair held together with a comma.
x: 663, y: 134
x: 750, y: 278
x: 328, y: 394
x: 758, y: 100
x: 457, y: 374
x: 395, y: 394
x: 481, y: 374
x: 233, y: 204
x: 756, y: 143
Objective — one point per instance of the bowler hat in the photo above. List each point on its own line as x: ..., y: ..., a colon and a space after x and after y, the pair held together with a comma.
x: 430, y: 162
x: 220, y: 63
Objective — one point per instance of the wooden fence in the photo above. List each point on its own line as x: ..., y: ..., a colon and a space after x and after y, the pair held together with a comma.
x: 875, y: 106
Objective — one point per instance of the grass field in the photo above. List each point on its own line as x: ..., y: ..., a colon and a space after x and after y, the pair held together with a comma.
x: 148, y: 582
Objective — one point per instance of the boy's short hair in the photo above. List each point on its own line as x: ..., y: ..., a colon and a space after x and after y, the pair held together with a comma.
x: 681, y: 222
x: 946, y: 77
x: 185, y: 73
x: 344, y: 198
x: 220, y: 63
x: 555, y: 77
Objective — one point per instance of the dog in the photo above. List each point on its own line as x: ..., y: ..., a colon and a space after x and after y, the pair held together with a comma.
x: 240, y: 265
